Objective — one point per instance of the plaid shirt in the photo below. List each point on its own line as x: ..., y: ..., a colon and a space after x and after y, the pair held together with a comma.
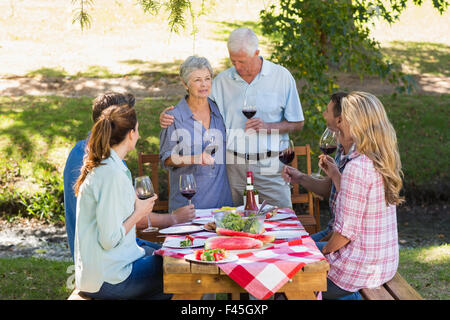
x: 371, y: 257
x: 341, y: 160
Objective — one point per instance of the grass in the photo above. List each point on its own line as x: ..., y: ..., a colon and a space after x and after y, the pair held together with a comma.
x: 419, y: 57
x: 32, y: 278
x: 426, y: 269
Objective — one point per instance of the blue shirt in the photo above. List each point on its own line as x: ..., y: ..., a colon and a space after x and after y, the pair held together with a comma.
x: 71, y: 173
x: 273, y: 92
x: 103, y: 251
x: 186, y: 136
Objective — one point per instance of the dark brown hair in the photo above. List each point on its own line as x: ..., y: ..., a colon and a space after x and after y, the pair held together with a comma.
x: 110, y: 129
x: 108, y: 99
x: 337, y: 98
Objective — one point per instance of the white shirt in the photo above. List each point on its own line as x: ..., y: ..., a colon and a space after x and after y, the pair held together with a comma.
x: 103, y: 252
x: 273, y: 92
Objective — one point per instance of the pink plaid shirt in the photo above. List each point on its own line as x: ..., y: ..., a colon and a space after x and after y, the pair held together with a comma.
x: 371, y: 257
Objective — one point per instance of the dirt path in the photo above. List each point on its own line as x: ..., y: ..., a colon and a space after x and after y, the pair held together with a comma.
x: 170, y: 87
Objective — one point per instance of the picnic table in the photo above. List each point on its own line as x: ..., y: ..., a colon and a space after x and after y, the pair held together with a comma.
x: 292, y: 265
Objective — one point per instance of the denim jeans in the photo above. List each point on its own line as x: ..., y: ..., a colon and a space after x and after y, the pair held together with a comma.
x: 336, y: 293
x: 319, y: 235
x: 333, y: 291
x: 144, y: 282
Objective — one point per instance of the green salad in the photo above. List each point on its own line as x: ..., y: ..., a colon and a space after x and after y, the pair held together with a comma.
x: 234, y: 221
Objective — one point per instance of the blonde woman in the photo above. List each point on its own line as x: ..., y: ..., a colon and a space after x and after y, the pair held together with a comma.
x: 363, y: 248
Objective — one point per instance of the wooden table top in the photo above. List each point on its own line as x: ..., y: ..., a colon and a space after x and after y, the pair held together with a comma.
x: 175, y: 265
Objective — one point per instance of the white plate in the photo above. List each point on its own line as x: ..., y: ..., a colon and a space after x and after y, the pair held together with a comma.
x: 230, y: 258
x: 181, y: 229
x: 288, y: 234
x: 280, y: 216
x: 203, y: 221
x: 176, y: 243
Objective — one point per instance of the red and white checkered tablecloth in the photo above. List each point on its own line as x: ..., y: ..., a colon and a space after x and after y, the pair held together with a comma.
x: 265, y: 271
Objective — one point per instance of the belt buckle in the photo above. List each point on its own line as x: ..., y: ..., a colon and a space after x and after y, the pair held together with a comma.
x: 247, y: 156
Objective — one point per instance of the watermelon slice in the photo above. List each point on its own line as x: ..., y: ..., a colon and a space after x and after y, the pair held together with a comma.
x: 262, y: 237
x: 232, y: 243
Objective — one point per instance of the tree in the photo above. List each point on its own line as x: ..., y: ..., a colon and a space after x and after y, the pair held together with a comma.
x: 317, y: 39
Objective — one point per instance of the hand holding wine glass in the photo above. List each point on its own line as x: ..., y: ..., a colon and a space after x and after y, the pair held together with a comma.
x: 144, y: 190
x: 188, y: 187
x: 328, y: 145
x: 287, y: 152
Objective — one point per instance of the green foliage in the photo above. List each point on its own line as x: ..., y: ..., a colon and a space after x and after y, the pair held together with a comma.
x: 47, y: 204
x: 176, y: 10
x: 81, y: 15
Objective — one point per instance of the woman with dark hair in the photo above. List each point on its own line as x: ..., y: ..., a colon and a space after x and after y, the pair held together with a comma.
x: 109, y: 264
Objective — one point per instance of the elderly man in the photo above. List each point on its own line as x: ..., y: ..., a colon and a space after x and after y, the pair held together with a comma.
x: 253, y: 145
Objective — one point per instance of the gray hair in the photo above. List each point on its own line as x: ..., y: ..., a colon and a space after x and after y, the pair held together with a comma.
x: 243, y: 39
x: 193, y: 63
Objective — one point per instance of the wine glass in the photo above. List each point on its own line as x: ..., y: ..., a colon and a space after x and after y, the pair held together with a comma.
x: 328, y: 145
x: 249, y: 107
x: 188, y: 186
x: 144, y: 190
x: 211, y: 148
x: 286, y: 153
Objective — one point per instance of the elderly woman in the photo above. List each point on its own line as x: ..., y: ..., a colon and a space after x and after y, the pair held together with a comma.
x: 184, y: 144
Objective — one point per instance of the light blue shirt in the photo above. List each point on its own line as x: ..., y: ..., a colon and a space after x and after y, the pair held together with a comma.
x: 103, y: 252
x: 273, y: 92
x: 187, y: 136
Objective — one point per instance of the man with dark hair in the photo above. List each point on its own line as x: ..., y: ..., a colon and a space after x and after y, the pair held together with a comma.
x: 324, y: 186
x: 75, y: 160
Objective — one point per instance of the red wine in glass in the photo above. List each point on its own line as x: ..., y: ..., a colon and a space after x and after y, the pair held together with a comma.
x: 144, y: 190
x: 145, y: 196
x: 188, y: 194
x: 187, y: 186
x: 286, y: 157
x: 328, y: 149
x: 249, y: 113
x: 287, y: 153
x: 328, y: 145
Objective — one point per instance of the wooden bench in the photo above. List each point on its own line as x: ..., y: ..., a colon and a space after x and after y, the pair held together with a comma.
x: 75, y: 295
x: 395, y: 289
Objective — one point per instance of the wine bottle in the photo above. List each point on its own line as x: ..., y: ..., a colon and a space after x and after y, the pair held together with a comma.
x: 250, y: 203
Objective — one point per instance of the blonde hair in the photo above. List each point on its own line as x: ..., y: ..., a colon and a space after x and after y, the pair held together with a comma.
x: 375, y: 137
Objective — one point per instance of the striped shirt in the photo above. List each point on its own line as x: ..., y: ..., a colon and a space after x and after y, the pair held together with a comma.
x: 362, y: 216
